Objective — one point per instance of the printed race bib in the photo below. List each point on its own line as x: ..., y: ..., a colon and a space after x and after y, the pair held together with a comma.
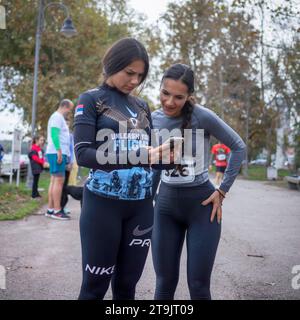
x: 184, y: 174
x: 221, y: 157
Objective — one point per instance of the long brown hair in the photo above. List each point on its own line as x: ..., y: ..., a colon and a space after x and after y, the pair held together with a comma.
x: 185, y: 74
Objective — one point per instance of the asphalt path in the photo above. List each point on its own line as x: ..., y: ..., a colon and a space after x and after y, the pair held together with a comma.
x: 258, y: 251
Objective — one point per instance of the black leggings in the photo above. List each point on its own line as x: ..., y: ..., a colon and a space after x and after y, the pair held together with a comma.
x: 115, y: 239
x: 178, y: 213
x: 35, y: 185
x: 64, y: 193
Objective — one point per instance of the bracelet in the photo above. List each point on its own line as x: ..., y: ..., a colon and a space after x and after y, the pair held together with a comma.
x: 220, y: 192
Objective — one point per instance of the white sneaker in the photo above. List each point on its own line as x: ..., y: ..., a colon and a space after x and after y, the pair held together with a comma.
x: 67, y: 211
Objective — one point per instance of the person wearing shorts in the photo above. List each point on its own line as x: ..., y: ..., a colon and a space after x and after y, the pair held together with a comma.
x: 58, y: 153
x: 221, y: 153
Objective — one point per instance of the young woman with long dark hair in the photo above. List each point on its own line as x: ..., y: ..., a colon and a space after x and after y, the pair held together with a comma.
x: 188, y: 206
x: 117, y: 211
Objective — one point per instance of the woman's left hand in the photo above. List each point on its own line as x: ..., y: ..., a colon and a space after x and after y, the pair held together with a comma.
x: 216, y: 199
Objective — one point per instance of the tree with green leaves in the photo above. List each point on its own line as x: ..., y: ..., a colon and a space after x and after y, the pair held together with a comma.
x: 67, y: 66
x: 279, y: 25
x: 220, y: 45
x: 228, y: 50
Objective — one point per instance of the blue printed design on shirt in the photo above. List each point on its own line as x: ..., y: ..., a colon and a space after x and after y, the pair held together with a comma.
x: 125, y: 184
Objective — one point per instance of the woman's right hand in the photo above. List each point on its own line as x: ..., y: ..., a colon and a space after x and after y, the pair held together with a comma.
x: 59, y: 156
x: 163, y: 153
x: 216, y: 199
x: 46, y: 165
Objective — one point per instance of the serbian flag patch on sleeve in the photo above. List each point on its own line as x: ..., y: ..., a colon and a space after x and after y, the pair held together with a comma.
x: 79, y: 110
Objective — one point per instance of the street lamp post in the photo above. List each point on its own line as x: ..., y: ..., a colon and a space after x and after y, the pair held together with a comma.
x: 36, y: 65
x: 67, y: 30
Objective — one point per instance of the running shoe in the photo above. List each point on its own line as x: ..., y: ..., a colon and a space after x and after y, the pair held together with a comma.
x: 66, y: 211
x: 60, y: 215
x: 49, y: 213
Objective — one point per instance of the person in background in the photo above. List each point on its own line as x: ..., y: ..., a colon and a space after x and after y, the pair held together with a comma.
x: 37, y: 163
x: 1, y: 155
x: 220, y: 152
x: 74, y: 169
x: 1, y: 152
x: 69, y: 167
x: 58, y: 151
x: 70, y: 185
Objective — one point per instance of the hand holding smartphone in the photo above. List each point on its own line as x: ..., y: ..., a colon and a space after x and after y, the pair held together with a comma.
x: 175, y: 141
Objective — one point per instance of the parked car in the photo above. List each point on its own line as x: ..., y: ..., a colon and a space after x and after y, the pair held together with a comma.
x: 6, y: 165
x: 259, y: 161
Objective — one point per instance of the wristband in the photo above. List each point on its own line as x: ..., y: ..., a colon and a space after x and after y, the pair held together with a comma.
x: 220, y: 192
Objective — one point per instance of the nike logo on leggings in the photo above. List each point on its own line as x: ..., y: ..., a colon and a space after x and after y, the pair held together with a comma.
x: 137, y: 232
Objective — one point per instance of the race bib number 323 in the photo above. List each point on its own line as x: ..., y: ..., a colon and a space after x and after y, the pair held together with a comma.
x: 184, y: 173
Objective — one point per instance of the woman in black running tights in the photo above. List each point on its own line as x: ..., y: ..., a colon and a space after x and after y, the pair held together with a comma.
x: 188, y: 207
x: 112, y: 138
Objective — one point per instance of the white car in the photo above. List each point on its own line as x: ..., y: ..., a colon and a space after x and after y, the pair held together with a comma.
x: 6, y: 163
x: 260, y: 162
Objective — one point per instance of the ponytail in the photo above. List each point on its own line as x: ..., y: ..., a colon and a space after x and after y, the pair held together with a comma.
x: 186, y: 113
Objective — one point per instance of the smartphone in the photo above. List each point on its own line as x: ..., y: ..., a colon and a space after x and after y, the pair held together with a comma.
x: 173, y: 140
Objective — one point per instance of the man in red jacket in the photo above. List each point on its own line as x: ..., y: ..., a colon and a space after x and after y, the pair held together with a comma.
x: 37, y: 162
x: 220, y: 151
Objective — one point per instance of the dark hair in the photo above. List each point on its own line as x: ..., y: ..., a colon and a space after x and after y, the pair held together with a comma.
x: 185, y: 74
x: 121, y: 54
x: 65, y: 103
x: 36, y: 138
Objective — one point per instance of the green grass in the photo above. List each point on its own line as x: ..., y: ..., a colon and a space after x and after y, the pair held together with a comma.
x: 84, y: 172
x: 16, y: 202
x: 257, y: 173
x: 260, y: 173
x: 283, y: 173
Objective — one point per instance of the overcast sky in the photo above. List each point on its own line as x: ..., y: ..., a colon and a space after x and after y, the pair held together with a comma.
x: 151, y: 8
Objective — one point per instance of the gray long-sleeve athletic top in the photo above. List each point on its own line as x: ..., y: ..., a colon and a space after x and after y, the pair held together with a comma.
x: 204, y: 123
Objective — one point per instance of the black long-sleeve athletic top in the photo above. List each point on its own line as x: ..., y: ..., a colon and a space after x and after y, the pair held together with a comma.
x: 110, y: 131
